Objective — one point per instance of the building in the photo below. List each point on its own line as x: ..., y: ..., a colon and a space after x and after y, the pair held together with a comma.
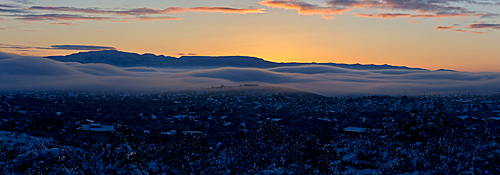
x: 92, y: 126
x: 170, y: 133
x: 360, y: 130
x: 192, y: 132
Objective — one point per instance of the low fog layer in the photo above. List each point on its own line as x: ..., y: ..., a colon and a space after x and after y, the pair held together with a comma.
x: 18, y: 73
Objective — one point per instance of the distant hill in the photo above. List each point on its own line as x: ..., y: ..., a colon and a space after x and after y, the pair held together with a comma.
x: 126, y: 59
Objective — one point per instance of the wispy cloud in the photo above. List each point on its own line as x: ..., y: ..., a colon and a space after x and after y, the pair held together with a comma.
x: 224, y: 10
x: 11, y: 11
x: 468, y: 31
x: 58, y: 47
x: 146, y: 18
x: 365, y: 15
x: 411, y: 16
x: 33, y: 30
x: 305, y: 8
x: 58, y: 17
x: 12, y: 46
x: 64, y: 23
x: 410, y: 9
x: 184, y: 54
x: 7, y: 6
x: 453, y: 28
x: 129, y: 15
x: 444, y: 27
x: 23, y: 1
x: 484, y: 26
x: 81, y: 47
x: 412, y: 5
x: 151, y: 11
x: 392, y: 15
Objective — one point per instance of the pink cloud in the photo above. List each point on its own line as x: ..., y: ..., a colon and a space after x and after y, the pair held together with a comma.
x: 58, y: 17
x: 144, y: 18
x: 365, y: 15
x: 467, y: 31
x: 444, y: 27
x: 149, y: 11
x: 305, y: 8
x: 392, y: 15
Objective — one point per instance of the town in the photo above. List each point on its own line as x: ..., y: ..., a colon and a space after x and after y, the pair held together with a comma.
x: 251, y: 130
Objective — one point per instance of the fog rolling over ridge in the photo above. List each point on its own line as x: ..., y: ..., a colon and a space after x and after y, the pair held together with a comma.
x: 101, y: 71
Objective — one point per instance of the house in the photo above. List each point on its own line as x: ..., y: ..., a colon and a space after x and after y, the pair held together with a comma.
x: 192, y: 132
x: 359, y: 130
x: 92, y: 126
x: 171, y: 132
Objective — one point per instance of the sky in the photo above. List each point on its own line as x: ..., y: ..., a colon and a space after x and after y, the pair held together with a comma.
x: 462, y: 35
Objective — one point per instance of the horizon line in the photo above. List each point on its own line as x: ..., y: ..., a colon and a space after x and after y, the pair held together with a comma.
x: 197, y: 55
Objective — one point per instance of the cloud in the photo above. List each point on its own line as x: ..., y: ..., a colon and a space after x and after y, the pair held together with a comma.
x: 58, y: 17
x: 224, y: 10
x: 441, y: 15
x: 392, y: 15
x: 145, y: 18
x: 11, y: 46
x: 7, y: 6
x: 365, y: 15
x: 81, y: 47
x: 23, y: 1
x: 305, y: 8
x: 141, y: 69
x: 405, y: 5
x: 11, y: 11
x: 488, y: 15
x: 71, y: 9
x: 136, y: 14
x: 34, y: 66
x: 247, y: 75
x: 19, y: 73
x: 313, y: 69
x: 184, y: 54
x: 4, y: 55
x: 444, y: 27
x: 34, y: 73
x: 410, y: 16
x: 33, y: 30
x: 64, y: 23
x: 58, y: 47
x: 484, y: 26
x: 467, y: 31
x: 452, y: 28
x: 151, y: 11
x: 410, y: 9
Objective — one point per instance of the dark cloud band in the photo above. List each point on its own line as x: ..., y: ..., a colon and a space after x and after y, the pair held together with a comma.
x: 81, y: 47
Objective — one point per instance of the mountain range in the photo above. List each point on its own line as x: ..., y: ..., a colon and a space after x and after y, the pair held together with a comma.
x: 126, y: 59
